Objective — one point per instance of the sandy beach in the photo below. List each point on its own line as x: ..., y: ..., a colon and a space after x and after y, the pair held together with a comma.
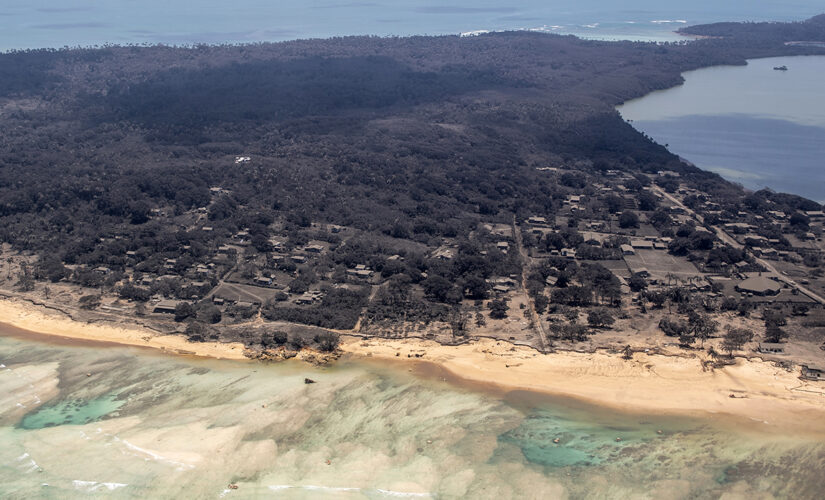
x: 762, y: 392
x: 27, y: 318
x: 754, y: 389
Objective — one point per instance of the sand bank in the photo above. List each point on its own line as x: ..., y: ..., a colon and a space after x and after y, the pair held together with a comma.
x: 28, y: 319
x: 762, y: 391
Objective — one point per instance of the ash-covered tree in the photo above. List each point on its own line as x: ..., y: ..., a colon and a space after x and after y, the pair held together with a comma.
x: 498, y: 308
x: 328, y: 341
x: 702, y: 326
x: 735, y: 338
x: 600, y: 318
x: 628, y: 220
x: 184, y: 310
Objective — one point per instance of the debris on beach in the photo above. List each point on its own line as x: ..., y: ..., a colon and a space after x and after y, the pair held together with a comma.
x: 309, y: 381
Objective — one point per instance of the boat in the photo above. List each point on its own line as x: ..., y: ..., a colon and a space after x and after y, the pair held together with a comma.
x: 780, y: 68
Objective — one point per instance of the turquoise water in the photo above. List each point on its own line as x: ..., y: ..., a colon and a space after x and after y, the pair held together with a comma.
x: 80, y: 421
x: 72, y: 412
x: 751, y: 124
x: 42, y: 23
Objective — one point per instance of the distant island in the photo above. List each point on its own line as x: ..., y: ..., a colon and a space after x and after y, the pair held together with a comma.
x: 443, y: 189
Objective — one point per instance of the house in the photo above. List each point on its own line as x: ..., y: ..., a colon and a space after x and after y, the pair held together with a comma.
x: 298, y: 259
x: 242, y: 159
x: 810, y: 372
x: 218, y: 301
x: 263, y: 281
x: 444, y: 254
x: 759, y: 285
x: 771, y: 348
x: 166, y: 306
x: 102, y: 270
x: 305, y: 299
x: 503, y: 246
x: 642, y: 244
x: 314, y: 248
x: 569, y: 253
x: 538, y: 221
x: 738, y: 227
x: 627, y: 250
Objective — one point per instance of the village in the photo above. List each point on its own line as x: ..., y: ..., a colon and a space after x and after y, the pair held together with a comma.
x: 628, y: 263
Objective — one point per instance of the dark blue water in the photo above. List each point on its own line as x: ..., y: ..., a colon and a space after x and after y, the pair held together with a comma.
x: 45, y: 23
x: 751, y: 124
x: 755, y: 152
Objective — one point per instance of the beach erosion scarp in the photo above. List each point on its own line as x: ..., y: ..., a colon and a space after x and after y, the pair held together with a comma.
x: 752, y: 389
x: 25, y: 320
x: 676, y: 383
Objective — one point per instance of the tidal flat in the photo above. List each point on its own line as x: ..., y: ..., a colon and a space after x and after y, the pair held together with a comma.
x: 126, y: 423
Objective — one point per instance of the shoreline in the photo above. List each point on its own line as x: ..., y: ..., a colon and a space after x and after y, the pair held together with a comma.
x: 649, y: 383
x: 26, y: 320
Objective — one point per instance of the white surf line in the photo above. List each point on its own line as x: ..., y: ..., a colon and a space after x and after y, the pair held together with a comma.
x: 29, y: 467
x: 380, y: 491
x: 91, y: 486
x: 154, y: 456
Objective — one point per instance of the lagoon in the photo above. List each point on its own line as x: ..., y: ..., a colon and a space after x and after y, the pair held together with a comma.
x: 751, y: 124
x: 82, y: 420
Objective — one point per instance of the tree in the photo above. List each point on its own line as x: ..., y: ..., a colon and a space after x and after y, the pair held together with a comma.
x: 702, y: 326
x: 673, y: 327
x: 209, y: 314
x: 328, y: 341
x: 475, y: 287
x: 273, y: 339
x: 437, y: 288
x: 498, y: 308
x: 637, y: 282
x: 183, y: 311
x: 735, y: 338
x: 196, y: 331
x: 775, y: 334
x: 51, y: 268
x: 541, y: 302
x: 458, y: 321
x: 600, y: 318
x: 480, y: 321
x: 628, y: 220
x: 627, y: 352
x: 25, y: 280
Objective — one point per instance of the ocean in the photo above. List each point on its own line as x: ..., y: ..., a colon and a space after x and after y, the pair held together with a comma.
x: 45, y: 23
x: 751, y: 124
x: 79, y: 421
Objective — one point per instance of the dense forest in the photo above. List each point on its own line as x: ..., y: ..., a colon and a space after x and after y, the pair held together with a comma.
x: 106, y: 151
